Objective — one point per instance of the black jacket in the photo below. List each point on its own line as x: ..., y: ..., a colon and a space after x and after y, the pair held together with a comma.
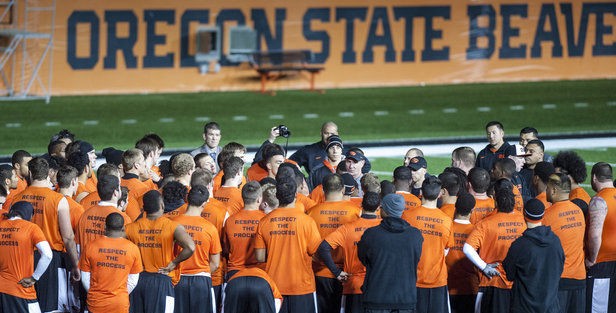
x: 311, y: 156
x: 534, y: 263
x: 486, y: 158
x: 390, y: 252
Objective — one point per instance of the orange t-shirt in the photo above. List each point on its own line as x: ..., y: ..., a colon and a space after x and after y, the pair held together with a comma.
x: 256, y: 173
x: 81, y: 188
x: 519, y: 201
x: 411, y: 201
x: 177, y: 212
x: 136, y: 188
x: 291, y: 238
x: 329, y: 216
x: 543, y: 197
x: 257, y: 272
x: 21, y: 185
x: 449, y: 209
x: 305, y: 201
x: 218, y: 181
x: 579, y: 193
x: 91, y: 183
x: 133, y: 209
x: 109, y: 262
x: 90, y: 200
x: 356, y: 201
x: 493, y: 236
x: 483, y: 208
x: 567, y: 222
x: 91, y: 225
x: 45, y: 202
x: 239, y: 236
x: 318, y: 195
x: 231, y: 197
x: 607, y: 251
x: 207, y: 242
x: 75, y: 210
x: 215, y: 212
x: 345, y: 238
x: 155, y: 241
x: 435, y: 227
x: 18, y: 239
x: 463, y: 278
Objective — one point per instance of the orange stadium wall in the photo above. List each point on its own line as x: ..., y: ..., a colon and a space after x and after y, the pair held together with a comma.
x: 135, y: 46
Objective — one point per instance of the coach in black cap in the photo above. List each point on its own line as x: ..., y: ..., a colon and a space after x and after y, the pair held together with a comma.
x: 534, y: 263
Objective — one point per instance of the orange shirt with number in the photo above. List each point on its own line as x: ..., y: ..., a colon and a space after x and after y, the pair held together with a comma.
x: 109, y: 262
x: 463, y: 278
x: 45, y: 202
x: 435, y: 227
x: 567, y: 222
x: 207, y: 242
x: 492, y: 237
x: 239, y: 236
x: 155, y: 241
x: 328, y: 216
x: 290, y: 238
x: 345, y: 238
x: 18, y: 239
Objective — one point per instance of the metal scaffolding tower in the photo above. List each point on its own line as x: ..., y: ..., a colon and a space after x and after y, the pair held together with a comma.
x: 26, y: 42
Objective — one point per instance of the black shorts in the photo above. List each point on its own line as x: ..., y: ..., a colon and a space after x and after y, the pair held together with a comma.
x: 329, y: 294
x: 352, y: 303
x: 572, y: 295
x: 299, y: 303
x: 432, y: 300
x: 194, y: 294
x: 462, y: 303
x: 52, y: 287
x: 153, y: 294
x: 493, y: 300
x: 12, y: 304
x: 601, y: 288
x: 249, y: 294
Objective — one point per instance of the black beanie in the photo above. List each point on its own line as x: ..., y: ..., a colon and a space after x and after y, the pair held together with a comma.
x: 534, y: 210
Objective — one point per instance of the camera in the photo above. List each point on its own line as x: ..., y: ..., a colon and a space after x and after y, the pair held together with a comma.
x: 284, y: 131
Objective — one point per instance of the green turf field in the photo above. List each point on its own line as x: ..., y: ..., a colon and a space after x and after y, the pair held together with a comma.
x: 362, y: 114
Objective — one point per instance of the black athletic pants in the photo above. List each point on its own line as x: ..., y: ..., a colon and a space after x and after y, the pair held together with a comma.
x: 249, y: 294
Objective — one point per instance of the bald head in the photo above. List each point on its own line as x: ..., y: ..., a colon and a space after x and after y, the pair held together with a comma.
x: 328, y: 129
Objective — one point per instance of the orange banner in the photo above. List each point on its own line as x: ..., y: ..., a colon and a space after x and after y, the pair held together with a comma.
x: 134, y: 46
